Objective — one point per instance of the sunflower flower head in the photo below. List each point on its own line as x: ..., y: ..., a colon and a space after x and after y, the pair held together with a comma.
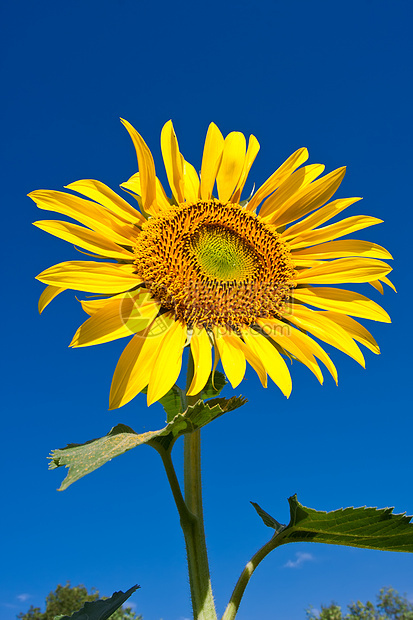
x: 245, y: 280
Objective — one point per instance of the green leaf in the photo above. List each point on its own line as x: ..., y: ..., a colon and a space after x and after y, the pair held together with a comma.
x: 213, y: 389
x: 196, y: 416
x: 82, y: 459
x: 173, y: 402
x: 268, y: 519
x: 101, y: 609
x: 369, y: 528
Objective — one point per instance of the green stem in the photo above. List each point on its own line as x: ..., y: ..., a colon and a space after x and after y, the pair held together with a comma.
x: 235, y: 600
x: 199, y: 579
x: 200, y: 583
x: 191, y: 518
x: 184, y: 514
x: 191, y: 514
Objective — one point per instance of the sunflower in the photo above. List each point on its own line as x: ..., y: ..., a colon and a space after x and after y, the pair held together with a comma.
x: 247, y: 280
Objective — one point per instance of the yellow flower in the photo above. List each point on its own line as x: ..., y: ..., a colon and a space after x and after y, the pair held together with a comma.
x: 215, y: 272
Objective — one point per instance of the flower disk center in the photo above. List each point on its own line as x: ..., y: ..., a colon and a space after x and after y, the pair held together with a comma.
x: 223, y: 255
x: 214, y: 264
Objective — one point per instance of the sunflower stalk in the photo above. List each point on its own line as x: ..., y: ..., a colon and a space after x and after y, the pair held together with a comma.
x: 191, y: 514
x: 198, y: 567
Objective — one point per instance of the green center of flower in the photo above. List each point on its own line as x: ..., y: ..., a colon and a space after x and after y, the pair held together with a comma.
x: 222, y: 254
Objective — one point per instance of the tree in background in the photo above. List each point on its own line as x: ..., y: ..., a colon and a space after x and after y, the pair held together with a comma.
x: 333, y: 612
x: 67, y: 599
x: 390, y: 606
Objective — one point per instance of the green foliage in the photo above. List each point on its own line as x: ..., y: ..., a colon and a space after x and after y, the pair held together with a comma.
x: 268, y: 519
x: 66, y: 600
x: 81, y: 459
x: 213, y: 386
x: 175, y: 400
x: 393, y: 605
x: 390, y: 606
x: 333, y: 612
x: 369, y: 528
x: 103, y: 609
x: 359, y: 611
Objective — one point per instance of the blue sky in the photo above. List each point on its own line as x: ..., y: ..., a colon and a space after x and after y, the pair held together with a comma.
x: 330, y: 76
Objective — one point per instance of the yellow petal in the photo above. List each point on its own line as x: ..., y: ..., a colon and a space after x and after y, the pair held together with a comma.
x: 91, y: 277
x: 337, y: 249
x: 309, y: 198
x: 101, y: 193
x: 389, y: 283
x: 299, y: 263
x: 291, y: 188
x: 49, y: 293
x: 256, y: 364
x: 343, y: 302
x: 214, y: 145
x: 174, y: 162
x: 131, y: 189
x: 133, y: 185
x: 252, y: 152
x: 119, y: 317
x: 89, y: 213
x: 319, y: 217
x: 84, y: 238
x: 135, y: 365
x: 377, y: 285
x: 328, y: 233
x: 191, y: 182
x: 299, y: 352
x: 231, y: 166
x: 232, y: 356
x: 105, y: 325
x: 163, y: 200
x: 137, y: 313
x: 344, y: 270
x: 310, y: 346
x: 90, y: 306
x: 354, y: 329
x: 283, y: 172
x: 131, y: 374
x: 146, y: 168
x: 139, y: 310
x: 318, y: 324
x: 217, y: 357
x: 201, y: 353
x: 271, y: 359
x: 307, y: 344
x: 168, y: 362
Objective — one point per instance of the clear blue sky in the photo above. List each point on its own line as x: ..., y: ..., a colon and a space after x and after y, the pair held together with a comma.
x: 335, y: 77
